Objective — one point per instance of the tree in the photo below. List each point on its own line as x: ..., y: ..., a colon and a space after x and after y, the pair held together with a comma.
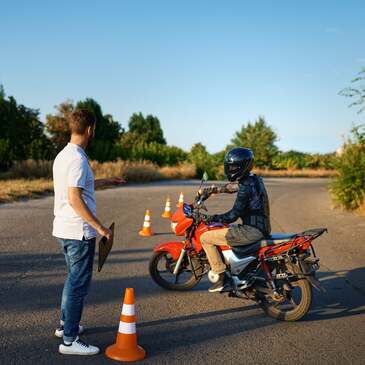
x: 260, y: 138
x: 203, y: 161
x: 57, y: 125
x: 21, y: 132
x: 146, y: 129
x: 107, y: 131
x: 357, y: 92
x: 348, y: 187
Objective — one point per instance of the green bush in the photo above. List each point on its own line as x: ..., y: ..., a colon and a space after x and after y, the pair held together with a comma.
x: 348, y: 188
x: 294, y: 160
x: 160, y: 154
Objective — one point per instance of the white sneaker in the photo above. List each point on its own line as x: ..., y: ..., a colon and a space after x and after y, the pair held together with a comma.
x: 59, y: 330
x: 78, y: 347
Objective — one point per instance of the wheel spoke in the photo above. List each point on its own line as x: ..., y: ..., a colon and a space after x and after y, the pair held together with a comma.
x: 177, y: 277
x: 293, y: 302
x: 165, y: 267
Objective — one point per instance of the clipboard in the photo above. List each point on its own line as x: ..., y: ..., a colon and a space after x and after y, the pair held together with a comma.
x: 105, y: 246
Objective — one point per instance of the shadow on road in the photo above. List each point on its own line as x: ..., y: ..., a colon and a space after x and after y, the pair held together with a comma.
x: 342, y: 298
x: 30, y: 262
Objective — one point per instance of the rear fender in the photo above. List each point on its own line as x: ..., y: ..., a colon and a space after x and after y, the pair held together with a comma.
x: 173, y: 248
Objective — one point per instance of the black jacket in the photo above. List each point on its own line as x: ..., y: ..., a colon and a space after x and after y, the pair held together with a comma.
x: 251, y: 205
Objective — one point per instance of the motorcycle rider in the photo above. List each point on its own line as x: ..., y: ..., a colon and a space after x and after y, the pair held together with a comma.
x: 251, y: 205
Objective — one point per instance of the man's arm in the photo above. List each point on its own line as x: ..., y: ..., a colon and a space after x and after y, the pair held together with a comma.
x: 115, y: 180
x: 77, y: 203
x: 236, y: 211
x: 229, y: 188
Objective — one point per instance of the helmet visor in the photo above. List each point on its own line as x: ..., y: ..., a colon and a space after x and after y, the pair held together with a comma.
x: 232, y: 168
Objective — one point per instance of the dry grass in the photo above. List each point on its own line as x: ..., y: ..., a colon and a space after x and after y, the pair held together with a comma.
x: 183, y: 171
x: 361, y: 209
x: 295, y: 173
x: 16, y: 189
x: 30, y: 169
x: 30, y: 178
x: 129, y: 171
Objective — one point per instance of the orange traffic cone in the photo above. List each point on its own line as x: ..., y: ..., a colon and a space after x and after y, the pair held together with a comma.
x: 181, y: 200
x: 126, y: 347
x: 146, y: 229
x: 167, y: 212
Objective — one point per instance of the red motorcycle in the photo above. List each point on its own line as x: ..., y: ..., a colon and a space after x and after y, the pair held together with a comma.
x: 277, y: 273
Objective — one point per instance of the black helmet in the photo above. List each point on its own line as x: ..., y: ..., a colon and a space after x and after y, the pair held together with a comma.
x: 237, y: 163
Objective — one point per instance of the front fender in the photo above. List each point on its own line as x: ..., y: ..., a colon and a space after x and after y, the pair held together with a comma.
x: 173, y: 248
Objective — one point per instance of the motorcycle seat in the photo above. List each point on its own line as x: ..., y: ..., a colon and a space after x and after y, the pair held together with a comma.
x: 280, y: 237
x: 252, y: 248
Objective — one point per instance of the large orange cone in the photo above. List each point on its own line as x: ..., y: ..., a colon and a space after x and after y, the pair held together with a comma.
x: 146, y: 229
x: 167, y: 212
x: 181, y: 200
x: 126, y: 347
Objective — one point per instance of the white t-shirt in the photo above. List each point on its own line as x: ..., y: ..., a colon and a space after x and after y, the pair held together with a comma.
x: 71, y: 169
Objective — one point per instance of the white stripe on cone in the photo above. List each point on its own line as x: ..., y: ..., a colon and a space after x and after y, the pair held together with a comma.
x: 128, y: 310
x: 146, y: 224
x: 127, y: 328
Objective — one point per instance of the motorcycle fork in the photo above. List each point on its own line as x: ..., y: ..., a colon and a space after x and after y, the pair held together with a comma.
x: 184, y: 250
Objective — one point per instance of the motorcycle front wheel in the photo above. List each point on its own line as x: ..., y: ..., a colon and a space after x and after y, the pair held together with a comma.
x: 161, y: 269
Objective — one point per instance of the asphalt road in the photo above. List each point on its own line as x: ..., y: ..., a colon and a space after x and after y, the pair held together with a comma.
x: 193, y: 327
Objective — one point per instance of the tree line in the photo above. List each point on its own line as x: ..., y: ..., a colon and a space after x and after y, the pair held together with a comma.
x: 23, y: 136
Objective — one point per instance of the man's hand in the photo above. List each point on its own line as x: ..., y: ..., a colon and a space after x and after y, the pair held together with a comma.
x: 81, y: 209
x: 201, y: 218
x: 105, y: 232
x: 115, y: 180
x: 207, y: 192
x: 205, y: 218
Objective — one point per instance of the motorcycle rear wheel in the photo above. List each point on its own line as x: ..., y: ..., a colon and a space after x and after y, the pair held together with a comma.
x: 186, y: 284
x: 300, y: 309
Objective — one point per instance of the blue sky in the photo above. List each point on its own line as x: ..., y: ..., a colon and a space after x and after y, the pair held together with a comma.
x: 203, y: 68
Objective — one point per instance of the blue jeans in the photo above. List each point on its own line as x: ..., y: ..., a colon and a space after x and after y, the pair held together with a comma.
x: 79, y: 256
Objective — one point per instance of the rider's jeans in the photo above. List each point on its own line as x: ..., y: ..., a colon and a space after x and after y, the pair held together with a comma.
x: 79, y: 256
x: 217, y: 237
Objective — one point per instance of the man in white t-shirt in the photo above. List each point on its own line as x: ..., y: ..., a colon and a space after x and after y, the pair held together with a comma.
x: 75, y: 225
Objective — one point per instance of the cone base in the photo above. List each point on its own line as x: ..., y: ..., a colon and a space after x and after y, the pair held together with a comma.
x: 166, y: 215
x: 145, y: 234
x: 115, y: 353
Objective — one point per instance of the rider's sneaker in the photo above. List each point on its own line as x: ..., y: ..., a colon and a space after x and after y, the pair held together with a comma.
x: 223, y: 284
x: 59, y: 330
x: 78, y: 347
